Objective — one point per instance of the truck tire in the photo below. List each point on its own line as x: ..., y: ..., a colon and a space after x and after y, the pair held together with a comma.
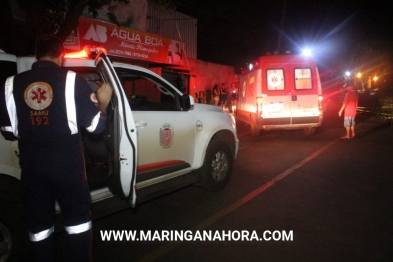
x: 255, y: 131
x: 217, y: 166
x: 5, y: 242
x: 309, y: 131
x: 13, y: 231
x: 13, y: 237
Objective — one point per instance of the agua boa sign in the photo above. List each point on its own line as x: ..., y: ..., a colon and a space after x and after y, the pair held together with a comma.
x: 128, y: 43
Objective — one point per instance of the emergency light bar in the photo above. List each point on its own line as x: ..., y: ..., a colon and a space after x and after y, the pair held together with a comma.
x: 87, y: 52
x: 79, y: 54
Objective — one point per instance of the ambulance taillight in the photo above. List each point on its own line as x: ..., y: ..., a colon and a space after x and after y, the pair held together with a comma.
x: 320, y: 99
x: 259, y: 101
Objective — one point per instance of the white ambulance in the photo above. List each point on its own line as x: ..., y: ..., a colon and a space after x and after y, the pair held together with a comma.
x: 281, y: 92
x: 157, y: 140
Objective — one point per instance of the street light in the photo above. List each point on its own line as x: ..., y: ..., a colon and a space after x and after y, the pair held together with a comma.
x: 375, y: 78
x: 359, y: 75
x: 306, y: 52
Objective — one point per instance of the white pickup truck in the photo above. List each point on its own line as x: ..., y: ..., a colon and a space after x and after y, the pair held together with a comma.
x: 157, y: 140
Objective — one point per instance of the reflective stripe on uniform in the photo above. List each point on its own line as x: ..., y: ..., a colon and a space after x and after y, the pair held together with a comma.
x: 41, y: 235
x: 70, y: 102
x: 6, y: 128
x: 94, y: 123
x: 11, y: 107
x: 79, y: 228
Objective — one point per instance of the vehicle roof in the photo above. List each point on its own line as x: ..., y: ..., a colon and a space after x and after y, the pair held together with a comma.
x: 286, y: 59
x: 77, y: 62
x: 7, y: 57
x: 25, y: 63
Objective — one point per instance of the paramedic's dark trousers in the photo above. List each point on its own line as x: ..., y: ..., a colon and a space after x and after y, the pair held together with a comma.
x: 50, y: 174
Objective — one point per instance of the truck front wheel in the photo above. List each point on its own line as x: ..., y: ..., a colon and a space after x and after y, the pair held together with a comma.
x: 13, y: 231
x: 5, y: 242
x: 255, y: 131
x: 309, y: 131
x: 217, y: 167
x: 13, y: 237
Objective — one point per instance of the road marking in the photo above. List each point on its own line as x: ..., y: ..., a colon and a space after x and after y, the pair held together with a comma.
x: 211, y: 220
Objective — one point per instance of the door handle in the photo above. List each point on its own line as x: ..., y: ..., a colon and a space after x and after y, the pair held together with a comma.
x: 140, y: 124
x: 294, y: 98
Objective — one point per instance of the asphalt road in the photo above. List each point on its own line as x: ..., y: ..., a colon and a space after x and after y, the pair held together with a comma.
x: 332, y: 198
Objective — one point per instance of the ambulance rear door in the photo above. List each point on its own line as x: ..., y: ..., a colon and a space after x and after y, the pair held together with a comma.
x: 276, y: 95
x: 304, y: 94
x: 125, y: 132
x: 250, y: 90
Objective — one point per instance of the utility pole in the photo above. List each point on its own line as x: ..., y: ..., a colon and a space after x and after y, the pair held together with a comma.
x: 282, y: 21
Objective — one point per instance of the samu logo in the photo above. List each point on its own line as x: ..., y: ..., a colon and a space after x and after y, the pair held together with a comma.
x: 97, y: 34
x: 166, y: 135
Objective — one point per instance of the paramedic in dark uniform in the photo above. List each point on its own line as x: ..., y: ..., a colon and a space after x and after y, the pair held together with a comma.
x: 45, y: 108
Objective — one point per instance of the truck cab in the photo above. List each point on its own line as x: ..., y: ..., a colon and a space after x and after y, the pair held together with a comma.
x: 281, y: 92
x: 157, y: 139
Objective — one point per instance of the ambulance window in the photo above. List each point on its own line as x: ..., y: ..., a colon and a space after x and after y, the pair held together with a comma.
x: 303, y: 79
x: 275, y: 79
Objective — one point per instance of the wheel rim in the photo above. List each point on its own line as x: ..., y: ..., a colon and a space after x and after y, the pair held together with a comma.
x: 220, y: 165
x: 5, y: 242
x: 254, y: 130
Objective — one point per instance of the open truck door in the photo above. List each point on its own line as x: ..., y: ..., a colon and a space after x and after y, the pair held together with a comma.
x: 124, y: 134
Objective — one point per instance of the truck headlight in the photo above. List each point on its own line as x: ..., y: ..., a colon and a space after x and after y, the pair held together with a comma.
x: 232, y: 120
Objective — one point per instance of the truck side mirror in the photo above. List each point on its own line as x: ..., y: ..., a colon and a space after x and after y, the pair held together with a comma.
x: 186, y: 102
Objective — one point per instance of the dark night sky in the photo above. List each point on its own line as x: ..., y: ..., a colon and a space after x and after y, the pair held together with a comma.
x: 236, y: 32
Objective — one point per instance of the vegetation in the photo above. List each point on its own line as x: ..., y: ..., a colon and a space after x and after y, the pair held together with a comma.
x: 58, y: 17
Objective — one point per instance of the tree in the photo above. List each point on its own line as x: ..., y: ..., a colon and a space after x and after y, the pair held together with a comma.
x: 58, y: 17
